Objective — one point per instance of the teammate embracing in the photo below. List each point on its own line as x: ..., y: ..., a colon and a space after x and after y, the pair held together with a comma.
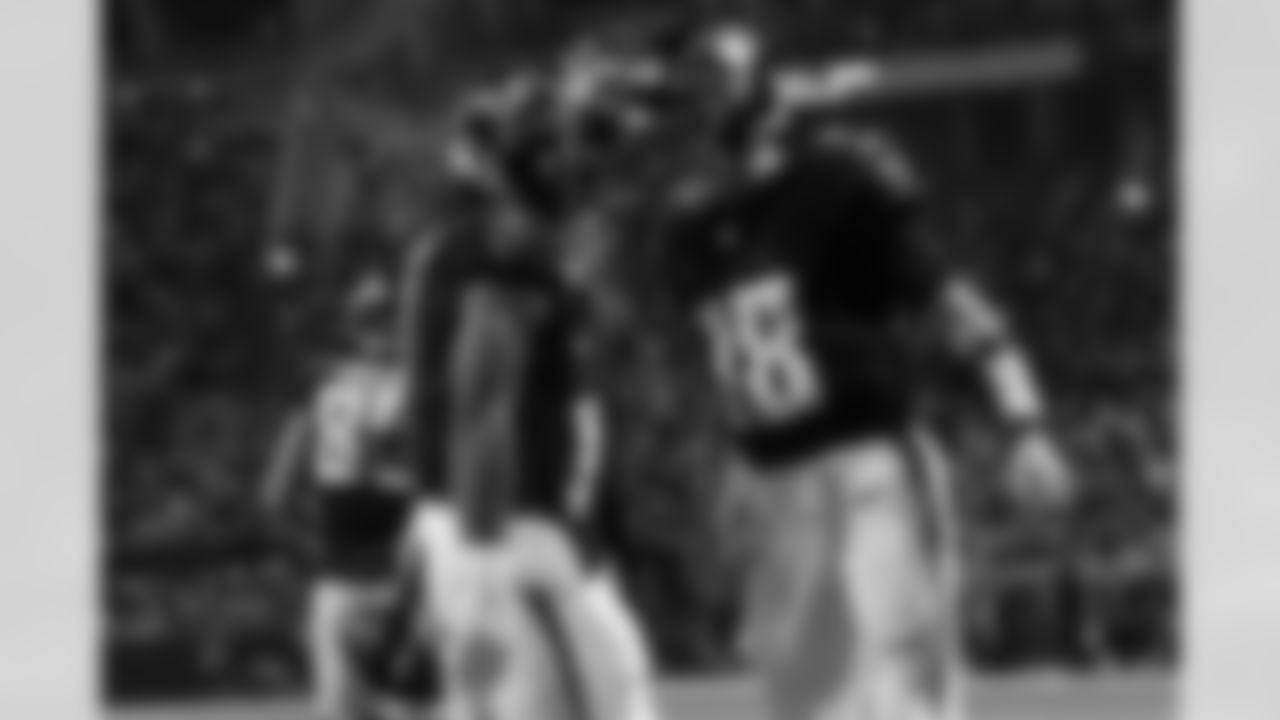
x: 522, y: 629
x: 805, y: 266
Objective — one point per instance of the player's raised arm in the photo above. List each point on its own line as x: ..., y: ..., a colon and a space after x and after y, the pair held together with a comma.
x: 971, y: 322
x: 485, y: 370
x: 976, y: 329
x: 285, y: 460
x: 980, y: 332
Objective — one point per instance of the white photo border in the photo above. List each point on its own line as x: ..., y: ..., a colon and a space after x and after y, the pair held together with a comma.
x: 48, y: 360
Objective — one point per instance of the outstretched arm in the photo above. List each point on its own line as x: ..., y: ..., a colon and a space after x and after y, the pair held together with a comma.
x: 978, y: 331
x: 286, y: 461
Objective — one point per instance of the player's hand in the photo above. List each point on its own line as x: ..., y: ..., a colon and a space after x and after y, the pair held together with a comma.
x: 1038, y: 475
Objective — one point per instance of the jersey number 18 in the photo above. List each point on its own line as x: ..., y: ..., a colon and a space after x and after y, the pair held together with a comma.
x: 757, y: 346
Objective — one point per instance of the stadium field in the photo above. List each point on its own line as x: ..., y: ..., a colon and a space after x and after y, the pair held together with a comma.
x: 1127, y: 697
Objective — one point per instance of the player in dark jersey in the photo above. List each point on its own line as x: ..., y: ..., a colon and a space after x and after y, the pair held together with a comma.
x: 803, y: 261
x: 501, y: 413
x: 343, y: 440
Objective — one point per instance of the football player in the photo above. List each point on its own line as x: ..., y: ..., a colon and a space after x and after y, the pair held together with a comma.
x: 344, y: 438
x: 502, y: 412
x: 804, y: 264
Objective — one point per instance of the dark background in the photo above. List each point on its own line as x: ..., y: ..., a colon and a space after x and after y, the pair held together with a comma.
x: 234, y: 131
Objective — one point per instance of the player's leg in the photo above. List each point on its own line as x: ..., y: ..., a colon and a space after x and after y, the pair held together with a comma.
x: 333, y: 677
x: 615, y: 620
x: 525, y: 686
x: 394, y: 664
x: 790, y: 647
x: 892, y: 587
x: 945, y: 540
x: 426, y: 532
x: 447, y: 589
x: 506, y: 630
x: 508, y: 642
x: 620, y: 628
x: 586, y: 673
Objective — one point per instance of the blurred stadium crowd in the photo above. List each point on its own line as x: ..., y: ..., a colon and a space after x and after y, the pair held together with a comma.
x: 1058, y: 195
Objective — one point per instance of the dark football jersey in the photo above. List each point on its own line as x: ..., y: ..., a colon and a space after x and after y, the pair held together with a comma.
x: 549, y: 382
x: 803, y: 280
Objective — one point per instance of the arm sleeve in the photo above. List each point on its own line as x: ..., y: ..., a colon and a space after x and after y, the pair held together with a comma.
x: 287, y: 455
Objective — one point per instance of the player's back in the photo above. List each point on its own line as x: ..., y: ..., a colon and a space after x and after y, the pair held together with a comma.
x: 805, y: 277
x: 547, y: 312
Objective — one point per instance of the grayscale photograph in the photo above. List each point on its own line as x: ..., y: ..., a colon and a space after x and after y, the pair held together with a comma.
x: 639, y: 360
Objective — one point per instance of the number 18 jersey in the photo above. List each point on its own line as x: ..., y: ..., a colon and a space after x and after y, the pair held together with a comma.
x: 804, y: 283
